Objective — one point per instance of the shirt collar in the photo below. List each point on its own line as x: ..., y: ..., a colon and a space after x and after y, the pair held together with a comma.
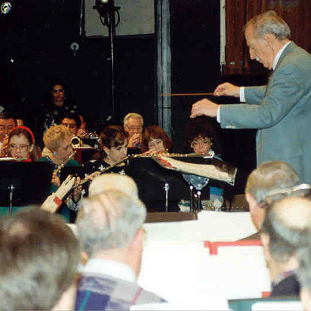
x: 278, y: 55
x: 113, y: 268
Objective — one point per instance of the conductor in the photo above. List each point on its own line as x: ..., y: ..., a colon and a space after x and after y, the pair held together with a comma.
x: 280, y: 110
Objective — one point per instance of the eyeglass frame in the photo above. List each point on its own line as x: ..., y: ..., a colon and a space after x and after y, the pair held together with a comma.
x: 287, y: 192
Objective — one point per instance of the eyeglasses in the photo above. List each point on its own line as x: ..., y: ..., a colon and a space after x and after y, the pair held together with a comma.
x: 134, y: 128
x: 205, y: 142
x: 6, y: 127
x: 21, y: 147
x: 302, y: 190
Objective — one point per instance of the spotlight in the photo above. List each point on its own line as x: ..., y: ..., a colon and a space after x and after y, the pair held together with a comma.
x: 5, y: 7
x: 104, y: 6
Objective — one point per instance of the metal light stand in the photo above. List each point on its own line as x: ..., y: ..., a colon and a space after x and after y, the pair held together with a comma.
x: 109, y: 18
x: 11, y: 189
x: 166, y: 188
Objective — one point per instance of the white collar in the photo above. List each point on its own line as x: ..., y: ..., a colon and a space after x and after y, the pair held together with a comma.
x: 278, y: 55
x: 109, y: 267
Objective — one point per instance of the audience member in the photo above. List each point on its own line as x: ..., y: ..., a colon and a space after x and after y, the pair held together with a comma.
x: 113, y: 181
x: 22, y: 144
x: 133, y: 126
x: 304, y: 271
x: 39, y: 260
x: 282, y: 233
x: 267, y: 177
x: 109, y: 229
x: 57, y: 140
x: 155, y: 140
x: 7, y: 123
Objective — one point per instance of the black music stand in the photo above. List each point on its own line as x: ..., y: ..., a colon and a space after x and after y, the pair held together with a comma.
x: 24, y: 183
x: 160, y: 189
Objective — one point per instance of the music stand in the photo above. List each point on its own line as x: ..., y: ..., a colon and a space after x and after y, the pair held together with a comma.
x: 24, y: 183
x: 160, y: 189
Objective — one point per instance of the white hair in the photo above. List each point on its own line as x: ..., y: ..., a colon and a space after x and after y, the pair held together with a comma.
x: 113, y: 181
x: 133, y: 115
x: 109, y: 220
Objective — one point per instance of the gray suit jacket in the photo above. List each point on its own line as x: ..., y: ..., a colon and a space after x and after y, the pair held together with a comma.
x: 281, y: 111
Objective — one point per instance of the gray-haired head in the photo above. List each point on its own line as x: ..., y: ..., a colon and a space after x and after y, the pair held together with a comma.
x: 269, y: 23
x: 113, y: 181
x: 288, y: 225
x: 39, y: 259
x: 270, y: 176
x: 109, y: 220
x: 133, y: 115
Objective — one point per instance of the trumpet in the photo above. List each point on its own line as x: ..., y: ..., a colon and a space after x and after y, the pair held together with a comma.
x: 76, y: 142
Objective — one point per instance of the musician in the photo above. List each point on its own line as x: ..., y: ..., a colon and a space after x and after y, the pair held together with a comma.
x: 7, y: 123
x: 22, y: 144
x: 113, y: 149
x: 58, y: 140
x: 200, y: 139
x: 155, y: 140
x: 133, y: 126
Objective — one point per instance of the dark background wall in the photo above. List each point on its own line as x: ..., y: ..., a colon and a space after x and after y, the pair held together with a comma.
x: 35, y: 41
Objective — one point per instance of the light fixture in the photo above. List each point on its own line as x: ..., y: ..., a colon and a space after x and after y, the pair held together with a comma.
x: 104, y: 6
x: 5, y: 7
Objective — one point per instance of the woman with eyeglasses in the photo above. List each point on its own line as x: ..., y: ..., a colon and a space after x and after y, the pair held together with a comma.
x: 200, y: 139
x: 22, y: 144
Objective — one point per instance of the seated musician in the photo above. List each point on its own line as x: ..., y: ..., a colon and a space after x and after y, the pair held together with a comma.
x: 113, y: 149
x: 58, y: 140
x: 200, y: 138
x: 22, y: 144
x: 155, y: 140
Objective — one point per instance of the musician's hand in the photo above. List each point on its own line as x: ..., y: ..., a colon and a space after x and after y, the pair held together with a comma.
x: 204, y: 107
x: 82, y: 133
x: 92, y: 176
x: 77, y: 191
x: 227, y: 89
x: 5, y: 146
x: 55, y: 180
x: 134, y: 140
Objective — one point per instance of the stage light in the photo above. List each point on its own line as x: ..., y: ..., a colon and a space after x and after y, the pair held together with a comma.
x: 5, y: 7
x: 104, y: 6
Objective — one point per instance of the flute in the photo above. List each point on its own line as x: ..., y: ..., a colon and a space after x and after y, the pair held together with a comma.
x: 85, y: 180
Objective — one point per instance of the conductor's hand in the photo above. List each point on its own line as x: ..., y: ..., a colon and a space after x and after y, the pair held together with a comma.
x: 204, y: 107
x: 227, y: 89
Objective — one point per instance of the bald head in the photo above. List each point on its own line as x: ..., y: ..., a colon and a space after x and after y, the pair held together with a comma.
x: 113, y: 182
x: 294, y: 213
x: 287, y: 224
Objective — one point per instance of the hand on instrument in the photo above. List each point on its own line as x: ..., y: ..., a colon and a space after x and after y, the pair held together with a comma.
x: 82, y: 133
x: 204, y: 107
x: 77, y: 191
x: 134, y: 140
x: 92, y: 176
x: 227, y: 89
x: 55, y: 180
x: 5, y: 146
